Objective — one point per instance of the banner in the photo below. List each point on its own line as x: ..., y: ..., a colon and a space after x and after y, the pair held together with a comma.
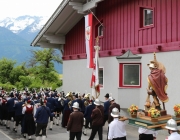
x: 95, y: 75
x: 89, y: 40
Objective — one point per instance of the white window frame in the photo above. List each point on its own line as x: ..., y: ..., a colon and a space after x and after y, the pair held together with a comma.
x: 145, y: 18
x: 100, y: 27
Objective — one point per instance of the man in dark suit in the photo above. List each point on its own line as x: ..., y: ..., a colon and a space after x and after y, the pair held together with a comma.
x: 97, y: 120
x: 106, y: 108
x: 18, y: 113
x: 51, y: 103
x: 66, y: 112
x: 11, y: 110
x: 42, y: 116
x: 87, y: 116
x: 75, y: 123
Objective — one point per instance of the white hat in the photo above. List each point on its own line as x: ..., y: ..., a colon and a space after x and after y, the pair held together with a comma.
x: 76, y: 105
x: 111, y: 99
x: 97, y: 102
x: 171, y: 125
x: 115, y: 112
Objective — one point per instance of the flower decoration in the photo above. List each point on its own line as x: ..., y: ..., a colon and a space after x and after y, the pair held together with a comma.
x: 177, y: 109
x: 154, y: 113
x: 133, y: 109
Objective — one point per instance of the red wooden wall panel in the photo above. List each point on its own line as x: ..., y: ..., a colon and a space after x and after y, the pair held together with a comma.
x: 174, y: 20
x: 154, y: 30
x: 122, y: 31
x: 178, y: 19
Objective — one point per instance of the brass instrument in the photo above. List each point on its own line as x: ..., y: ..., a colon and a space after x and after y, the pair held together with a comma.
x: 87, y: 97
x: 70, y: 97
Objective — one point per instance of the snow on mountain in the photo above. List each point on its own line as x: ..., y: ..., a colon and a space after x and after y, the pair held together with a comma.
x: 17, y: 25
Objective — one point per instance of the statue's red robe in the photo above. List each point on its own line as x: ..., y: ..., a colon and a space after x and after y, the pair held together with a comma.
x: 158, y: 81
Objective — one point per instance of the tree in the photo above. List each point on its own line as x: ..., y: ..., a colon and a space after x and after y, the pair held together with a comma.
x: 42, y: 61
x: 6, y: 66
x: 16, y: 72
x: 40, y: 72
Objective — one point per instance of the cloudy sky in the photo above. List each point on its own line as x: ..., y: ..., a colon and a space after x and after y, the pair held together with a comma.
x: 15, y: 8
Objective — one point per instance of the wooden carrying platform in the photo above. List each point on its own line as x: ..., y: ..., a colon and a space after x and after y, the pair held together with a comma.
x: 146, y: 122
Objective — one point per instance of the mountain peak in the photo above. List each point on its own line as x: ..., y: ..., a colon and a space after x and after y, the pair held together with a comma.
x: 25, y: 26
x: 17, y: 25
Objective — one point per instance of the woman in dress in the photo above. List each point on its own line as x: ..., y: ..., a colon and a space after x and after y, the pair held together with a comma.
x: 28, y: 122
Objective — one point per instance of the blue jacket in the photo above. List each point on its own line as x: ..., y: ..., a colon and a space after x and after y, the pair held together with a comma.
x: 26, y: 99
x: 52, y: 103
x: 106, y: 107
x: 88, y: 111
x: 83, y: 106
x: 42, y: 115
x: 58, y: 103
x: 66, y: 106
x: 18, y: 108
x: 80, y: 103
x: 10, y: 105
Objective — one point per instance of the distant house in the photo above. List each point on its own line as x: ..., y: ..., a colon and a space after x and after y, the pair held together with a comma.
x: 132, y: 31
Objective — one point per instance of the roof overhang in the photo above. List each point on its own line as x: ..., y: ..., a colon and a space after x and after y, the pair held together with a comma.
x: 65, y: 17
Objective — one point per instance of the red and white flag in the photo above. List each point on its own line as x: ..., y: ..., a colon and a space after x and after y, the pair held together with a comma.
x: 89, y: 39
x: 95, y: 75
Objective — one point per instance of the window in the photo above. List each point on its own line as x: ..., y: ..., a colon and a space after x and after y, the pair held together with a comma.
x: 148, y: 17
x: 130, y: 75
x: 101, y: 77
x: 100, y: 30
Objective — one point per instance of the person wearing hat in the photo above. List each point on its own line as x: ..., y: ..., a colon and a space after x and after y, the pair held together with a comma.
x: 11, y: 110
x: 18, y: 113
x: 58, y: 108
x: 42, y: 116
x: 76, y: 99
x: 66, y: 111
x: 28, y: 120
x: 106, y: 108
x: 75, y: 123
x: 116, y: 128
x: 87, y: 116
x: 97, y: 120
x: 113, y: 105
x: 51, y: 103
x: 172, y: 130
x: 4, y: 109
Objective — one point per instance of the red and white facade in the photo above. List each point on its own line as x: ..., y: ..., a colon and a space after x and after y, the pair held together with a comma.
x: 124, y: 28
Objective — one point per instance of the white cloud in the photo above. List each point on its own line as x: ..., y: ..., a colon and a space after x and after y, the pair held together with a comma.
x: 15, y: 8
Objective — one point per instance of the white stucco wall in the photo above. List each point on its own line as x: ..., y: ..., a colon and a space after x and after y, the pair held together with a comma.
x: 76, y: 77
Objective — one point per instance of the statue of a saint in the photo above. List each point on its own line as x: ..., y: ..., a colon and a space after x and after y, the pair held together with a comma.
x: 157, y: 83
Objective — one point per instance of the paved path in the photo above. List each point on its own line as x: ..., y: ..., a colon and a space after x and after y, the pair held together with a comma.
x: 59, y: 133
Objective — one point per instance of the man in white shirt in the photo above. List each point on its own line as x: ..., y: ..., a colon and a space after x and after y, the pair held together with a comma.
x: 116, y: 128
x: 172, y: 129
x: 146, y: 134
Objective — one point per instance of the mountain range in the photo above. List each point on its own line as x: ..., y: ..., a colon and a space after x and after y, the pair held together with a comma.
x: 16, y: 34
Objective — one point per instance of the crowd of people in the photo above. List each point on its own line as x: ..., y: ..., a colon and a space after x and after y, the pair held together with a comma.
x: 36, y: 111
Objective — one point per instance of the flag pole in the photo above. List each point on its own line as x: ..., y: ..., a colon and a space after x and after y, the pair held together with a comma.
x: 95, y: 76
